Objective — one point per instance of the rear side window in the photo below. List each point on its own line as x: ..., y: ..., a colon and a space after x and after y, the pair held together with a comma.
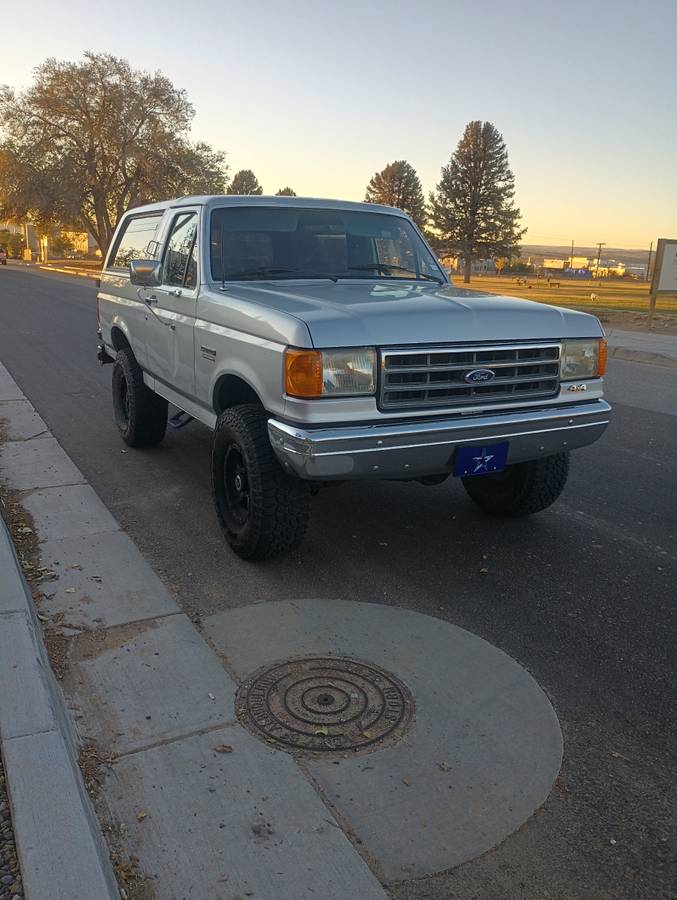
x: 135, y: 241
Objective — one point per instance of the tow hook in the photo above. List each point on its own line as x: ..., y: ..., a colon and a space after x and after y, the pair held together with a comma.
x: 102, y: 355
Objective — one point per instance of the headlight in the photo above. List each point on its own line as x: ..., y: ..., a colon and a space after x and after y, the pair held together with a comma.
x: 329, y: 373
x: 583, y: 358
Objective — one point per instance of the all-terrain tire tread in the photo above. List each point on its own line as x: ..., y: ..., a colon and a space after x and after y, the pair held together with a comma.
x: 537, y: 484
x: 147, y: 415
x: 283, y: 498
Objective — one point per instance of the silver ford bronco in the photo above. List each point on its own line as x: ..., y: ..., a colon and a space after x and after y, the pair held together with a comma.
x: 322, y: 341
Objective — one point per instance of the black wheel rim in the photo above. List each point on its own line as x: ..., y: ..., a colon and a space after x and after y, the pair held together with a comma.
x: 236, y: 488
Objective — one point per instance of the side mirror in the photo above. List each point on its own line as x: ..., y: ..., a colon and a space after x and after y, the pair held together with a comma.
x: 145, y: 272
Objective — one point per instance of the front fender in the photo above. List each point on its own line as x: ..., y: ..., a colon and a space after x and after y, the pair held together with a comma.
x: 262, y: 373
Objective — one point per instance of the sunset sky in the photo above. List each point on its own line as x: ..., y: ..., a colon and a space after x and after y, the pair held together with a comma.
x: 320, y: 95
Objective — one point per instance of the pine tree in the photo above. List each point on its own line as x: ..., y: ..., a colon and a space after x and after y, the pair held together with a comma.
x: 399, y: 185
x: 473, y: 211
x: 245, y: 182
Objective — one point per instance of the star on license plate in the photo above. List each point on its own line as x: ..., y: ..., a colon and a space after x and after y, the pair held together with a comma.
x: 482, y: 459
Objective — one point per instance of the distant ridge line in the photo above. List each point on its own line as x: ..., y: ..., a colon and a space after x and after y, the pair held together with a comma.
x: 629, y: 256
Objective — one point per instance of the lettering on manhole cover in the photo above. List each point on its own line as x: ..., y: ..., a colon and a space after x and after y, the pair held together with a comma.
x: 326, y: 704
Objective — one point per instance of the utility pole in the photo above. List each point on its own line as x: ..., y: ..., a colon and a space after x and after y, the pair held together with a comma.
x: 648, y: 262
x: 600, y: 244
x: 571, y: 260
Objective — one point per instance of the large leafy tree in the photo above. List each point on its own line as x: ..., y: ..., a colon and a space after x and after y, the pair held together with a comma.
x: 399, y: 185
x: 245, y: 182
x: 286, y: 192
x: 90, y: 139
x: 472, y: 209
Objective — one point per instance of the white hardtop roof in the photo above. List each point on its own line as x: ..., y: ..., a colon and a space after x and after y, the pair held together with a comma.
x: 220, y: 200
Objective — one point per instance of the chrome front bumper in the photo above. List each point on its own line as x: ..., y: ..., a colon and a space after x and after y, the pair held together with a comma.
x: 415, y: 449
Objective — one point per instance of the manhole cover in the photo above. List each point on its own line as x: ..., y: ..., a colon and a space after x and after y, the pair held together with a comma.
x: 327, y: 704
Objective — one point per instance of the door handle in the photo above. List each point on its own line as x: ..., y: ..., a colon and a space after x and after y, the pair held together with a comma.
x: 176, y: 292
x: 150, y: 301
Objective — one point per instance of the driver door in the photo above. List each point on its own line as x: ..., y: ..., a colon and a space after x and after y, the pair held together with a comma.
x: 171, y: 318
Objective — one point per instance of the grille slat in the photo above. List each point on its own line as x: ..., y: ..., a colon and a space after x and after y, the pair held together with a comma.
x: 436, y: 377
x: 468, y: 366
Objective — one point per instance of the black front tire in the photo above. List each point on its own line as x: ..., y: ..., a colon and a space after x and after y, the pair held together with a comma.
x: 262, y: 510
x: 140, y: 414
x: 522, y: 489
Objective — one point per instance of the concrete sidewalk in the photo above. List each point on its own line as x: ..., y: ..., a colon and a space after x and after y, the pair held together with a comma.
x: 183, y: 782
x: 643, y: 346
x: 198, y: 798
x: 61, y: 851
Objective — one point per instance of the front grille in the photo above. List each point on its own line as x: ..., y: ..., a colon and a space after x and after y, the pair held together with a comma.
x: 414, y: 379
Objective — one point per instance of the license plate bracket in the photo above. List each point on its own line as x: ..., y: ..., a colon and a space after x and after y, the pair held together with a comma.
x: 481, y: 459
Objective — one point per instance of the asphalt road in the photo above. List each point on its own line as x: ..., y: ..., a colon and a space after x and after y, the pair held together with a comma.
x: 582, y: 595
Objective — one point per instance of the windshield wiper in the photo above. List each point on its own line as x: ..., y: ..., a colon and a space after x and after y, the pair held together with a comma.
x: 388, y: 267
x: 278, y: 270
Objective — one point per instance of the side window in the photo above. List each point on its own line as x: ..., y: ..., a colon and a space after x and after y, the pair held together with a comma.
x: 180, y: 266
x: 136, y: 241
x: 397, y: 249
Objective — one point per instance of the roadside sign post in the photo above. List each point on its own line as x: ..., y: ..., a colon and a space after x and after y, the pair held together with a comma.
x: 664, y: 280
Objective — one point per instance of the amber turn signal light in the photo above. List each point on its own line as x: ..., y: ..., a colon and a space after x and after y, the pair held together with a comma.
x: 603, y: 352
x: 303, y: 373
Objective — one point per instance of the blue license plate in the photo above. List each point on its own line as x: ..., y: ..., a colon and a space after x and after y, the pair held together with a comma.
x: 481, y: 460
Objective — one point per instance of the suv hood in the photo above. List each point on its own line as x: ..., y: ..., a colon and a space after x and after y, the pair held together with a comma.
x: 353, y: 314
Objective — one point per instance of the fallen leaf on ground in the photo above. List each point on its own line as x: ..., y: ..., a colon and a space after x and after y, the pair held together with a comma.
x: 223, y: 748
x: 406, y: 781
x: 484, y: 571
x: 617, y: 755
x: 142, y: 815
x: 70, y: 590
x: 322, y: 730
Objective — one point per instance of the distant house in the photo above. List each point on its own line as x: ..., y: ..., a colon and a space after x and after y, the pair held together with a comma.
x: 82, y: 242
x: 478, y: 266
x: 584, y: 265
x: 614, y: 267
x: 25, y: 230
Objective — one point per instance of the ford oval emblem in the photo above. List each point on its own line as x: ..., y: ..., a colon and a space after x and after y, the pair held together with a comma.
x: 480, y: 376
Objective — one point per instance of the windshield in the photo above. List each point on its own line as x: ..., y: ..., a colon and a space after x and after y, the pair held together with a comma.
x: 264, y: 243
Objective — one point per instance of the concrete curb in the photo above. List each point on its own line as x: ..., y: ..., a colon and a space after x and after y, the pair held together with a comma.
x: 62, y: 853
x: 83, y: 273
x: 643, y: 356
